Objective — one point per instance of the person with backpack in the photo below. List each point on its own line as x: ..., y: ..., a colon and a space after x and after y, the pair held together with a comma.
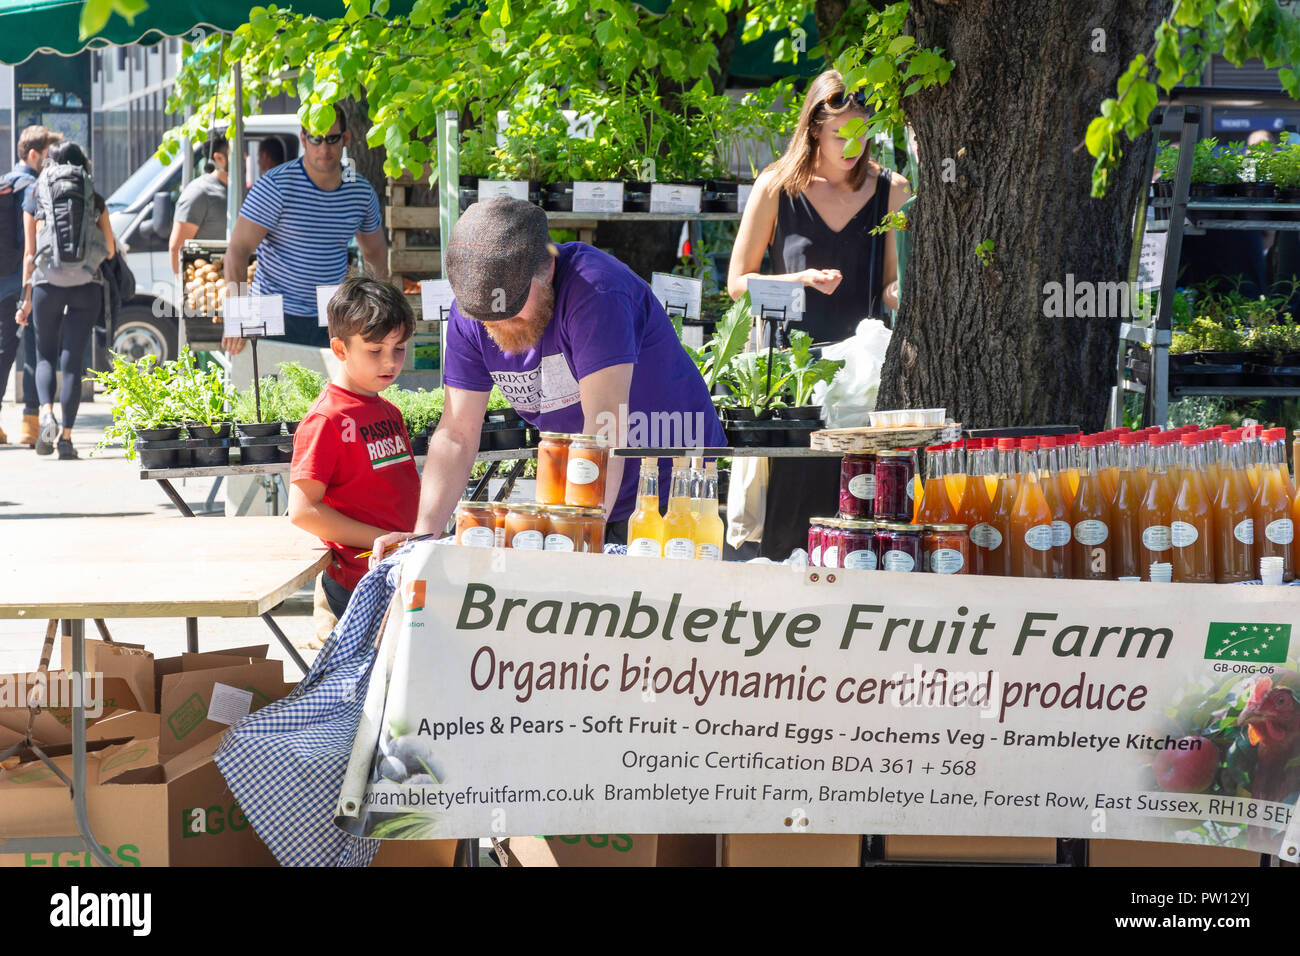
x: 33, y: 143
x: 67, y: 239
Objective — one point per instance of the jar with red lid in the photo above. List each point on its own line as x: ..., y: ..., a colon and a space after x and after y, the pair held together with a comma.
x: 895, y: 469
x: 858, y: 547
x: 552, y: 467
x: 475, y: 524
x: 832, y: 540
x: 857, y: 486
x: 899, y: 547
x: 946, y: 548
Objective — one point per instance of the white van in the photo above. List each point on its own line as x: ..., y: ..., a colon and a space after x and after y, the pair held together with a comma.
x: 148, y: 325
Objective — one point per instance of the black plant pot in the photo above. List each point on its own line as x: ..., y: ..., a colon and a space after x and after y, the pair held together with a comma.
x: 558, y: 197
x: 1288, y: 194
x: 213, y: 455
x: 292, y: 427
x: 420, y: 446
x: 261, y: 443
x: 219, y: 430
x: 801, y: 413
x: 503, y: 416
x: 467, y: 197
x: 1207, y: 192
x: 636, y: 196
x: 259, y: 429
x: 1259, y: 192
x: 468, y: 180
x: 503, y: 436
x: 168, y: 450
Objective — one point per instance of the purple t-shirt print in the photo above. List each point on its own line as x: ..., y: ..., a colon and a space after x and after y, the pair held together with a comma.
x: 605, y: 315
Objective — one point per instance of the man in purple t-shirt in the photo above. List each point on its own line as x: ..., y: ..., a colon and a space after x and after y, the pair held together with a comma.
x: 577, y: 342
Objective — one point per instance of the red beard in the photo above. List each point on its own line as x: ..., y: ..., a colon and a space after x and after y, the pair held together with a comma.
x: 521, y: 334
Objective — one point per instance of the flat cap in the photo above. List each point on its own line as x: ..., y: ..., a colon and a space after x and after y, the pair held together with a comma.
x: 496, y: 248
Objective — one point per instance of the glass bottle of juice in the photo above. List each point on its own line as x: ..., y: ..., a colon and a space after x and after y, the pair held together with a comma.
x: 679, y: 522
x: 1212, y: 450
x: 1108, y: 463
x: 1050, y: 480
x: 915, y: 488
x: 935, y: 507
x: 697, y: 484
x: 1072, y: 462
x: 1153, y: 512
x: 709, y: 529
x: 955, y: 474
x: 645, y: 529
x: 1234, y: 522
x: 1091, y: 518
x: 991, y: 540
x: 1191, y: 517
x: 1031, y: 520
x: 991, y: 469
x: 973, y: 508
x: 1273, y: 502
x: 1252, y: 452
x: 1126, y: 551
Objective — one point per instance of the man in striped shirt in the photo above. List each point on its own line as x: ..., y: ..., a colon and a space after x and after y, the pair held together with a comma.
x: 299, y: 218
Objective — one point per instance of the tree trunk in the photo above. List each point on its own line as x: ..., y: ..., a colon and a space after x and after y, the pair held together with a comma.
x: 369, y: 162
x: 998, y: 162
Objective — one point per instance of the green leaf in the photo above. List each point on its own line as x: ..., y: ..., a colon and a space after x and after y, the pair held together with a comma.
x: 900, y: 45
x: 1099, y: 136
x: 94, y: 14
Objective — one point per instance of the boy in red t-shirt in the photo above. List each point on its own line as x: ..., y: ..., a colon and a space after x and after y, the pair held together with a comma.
x: 353, y: 476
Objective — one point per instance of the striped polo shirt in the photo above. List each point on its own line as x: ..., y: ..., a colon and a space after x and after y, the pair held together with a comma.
x: 309, y: 228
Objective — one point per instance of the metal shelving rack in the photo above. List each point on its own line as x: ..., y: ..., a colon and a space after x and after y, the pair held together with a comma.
x: 1180, y: 113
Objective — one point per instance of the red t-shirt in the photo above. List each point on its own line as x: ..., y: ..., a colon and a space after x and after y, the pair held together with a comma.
x: 356, y: 446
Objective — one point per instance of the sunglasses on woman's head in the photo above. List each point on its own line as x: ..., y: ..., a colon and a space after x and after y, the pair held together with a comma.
x: 837, y: 101
x: 330, y: 140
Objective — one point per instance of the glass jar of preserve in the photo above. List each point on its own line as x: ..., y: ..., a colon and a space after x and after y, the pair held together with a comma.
x: 898, y: 547
x: 585, y: 474
x: 946, y: 548
x: 563, y: 529
x: 815, y: 528
x: 593, y: 530
x: 857, y: 486
x: 525, y: 527
x: 552, y: 466
x: 858, y: 547
x: 895, y: 470
x: 832, y: 539
x: 499, y: 511
x: 475, y: 524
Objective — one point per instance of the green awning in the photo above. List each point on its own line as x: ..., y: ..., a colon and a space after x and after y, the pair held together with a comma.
x: 52, y: 26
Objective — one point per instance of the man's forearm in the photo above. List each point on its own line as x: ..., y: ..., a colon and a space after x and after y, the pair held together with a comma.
x: 235, y: 268
x: 446, y: 472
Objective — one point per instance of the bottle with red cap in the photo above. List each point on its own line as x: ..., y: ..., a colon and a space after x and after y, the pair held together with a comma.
x: 1050, y: 479
x: 1031, y: 520
x: 1091, y: 518
x: 991, y: 539
x: 1126, y: 551
x: 1157, y: 501
x: 1273, y: 502
x: 1234, y: 523
x: 935, y: 505
x: 1191, y: 516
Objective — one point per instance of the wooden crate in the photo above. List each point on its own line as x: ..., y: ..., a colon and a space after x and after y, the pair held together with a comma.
x: 412, y: 217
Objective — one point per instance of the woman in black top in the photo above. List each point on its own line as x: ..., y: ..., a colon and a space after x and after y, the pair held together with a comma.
x: 813, y: 210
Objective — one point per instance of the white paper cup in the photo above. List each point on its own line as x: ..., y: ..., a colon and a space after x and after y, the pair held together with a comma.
x: 1130, y: 579
x: 1270, y: 570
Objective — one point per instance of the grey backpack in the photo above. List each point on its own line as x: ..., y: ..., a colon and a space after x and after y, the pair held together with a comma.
x: 69, y: 245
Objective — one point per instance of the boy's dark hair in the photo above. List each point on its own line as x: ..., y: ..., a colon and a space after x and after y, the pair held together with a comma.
x: 371, y: 309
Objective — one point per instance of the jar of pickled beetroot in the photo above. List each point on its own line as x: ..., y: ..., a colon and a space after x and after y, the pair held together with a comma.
x: 895, y: 470
x: 815, y: 528
x: 858, y: 549
x: 593, y: 530
x: 564, y: 527
x: 525, y: 527
x: 475, y: 524
x: 585, y: 473
x: 899, y: 547
x: 946, y: 548
x: 832, y: 540
x: 857, y: 486
x: 499, y: 512
x: 552, y: 467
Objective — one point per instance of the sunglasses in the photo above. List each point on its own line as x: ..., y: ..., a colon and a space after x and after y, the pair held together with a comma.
x: 329, y: 140
x: 838, y: 101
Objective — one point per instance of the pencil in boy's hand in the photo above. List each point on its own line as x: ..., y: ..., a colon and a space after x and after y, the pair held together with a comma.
x: 418, y: 537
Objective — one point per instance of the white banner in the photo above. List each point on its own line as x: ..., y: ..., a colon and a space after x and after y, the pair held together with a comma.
x: 558, y: 693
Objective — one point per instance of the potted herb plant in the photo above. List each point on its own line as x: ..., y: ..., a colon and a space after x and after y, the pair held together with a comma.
x: 806, y: 371
x: 144, y: 412
x: 1210, y: 170
x: 260, y: 436
x: 1256, y: 183
x: 204, y: 397
x: 1283, y: 168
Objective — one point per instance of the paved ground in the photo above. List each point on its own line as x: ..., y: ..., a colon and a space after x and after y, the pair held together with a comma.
x: 105, y: 485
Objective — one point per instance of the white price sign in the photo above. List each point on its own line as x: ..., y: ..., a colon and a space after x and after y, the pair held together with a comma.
x: 678, y: 295
x: 498, y: 188
x: 776, y: 298
x: 597, y: 197
x: 670, y: 197
x: 436, y: 298
x: 1151, y: 262
x: 254, y: 315
x: 323, y: 295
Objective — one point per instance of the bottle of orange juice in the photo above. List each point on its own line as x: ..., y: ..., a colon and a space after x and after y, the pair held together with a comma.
x: 1050, y: 480
x: 991, y: 538
x: 1273, y: 503
x: 1072, y: 462
x: 1157, y: 501
x: 1252, y: 452
x: 1126, y: 550
x: 973, y: 507
x: 1031, y: 520
x: 709, y: 528
x: 1191, y: 516
x: 1091, y: 519
x: 1108, y: 462
x: 679, y: 522
x: 955, y: 474
x: 935, y: 507
x: 1234, y: 522
x: 645, y: 529
x: 989, y: 453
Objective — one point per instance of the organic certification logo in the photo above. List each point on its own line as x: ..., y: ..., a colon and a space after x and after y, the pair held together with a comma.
x: 1256, y: 643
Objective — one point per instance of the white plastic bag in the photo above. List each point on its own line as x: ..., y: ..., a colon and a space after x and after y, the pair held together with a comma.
x: 850, y: 398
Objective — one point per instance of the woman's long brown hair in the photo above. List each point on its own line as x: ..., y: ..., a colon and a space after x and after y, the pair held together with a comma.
x: 794, y: 170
